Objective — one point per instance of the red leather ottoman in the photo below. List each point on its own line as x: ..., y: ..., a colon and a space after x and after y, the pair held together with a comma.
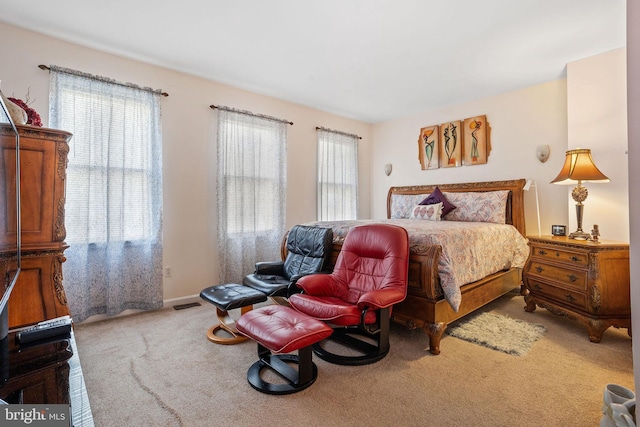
x: 281, y: 329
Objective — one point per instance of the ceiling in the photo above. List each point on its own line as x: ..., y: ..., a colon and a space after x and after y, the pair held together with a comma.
x: 370, y: 60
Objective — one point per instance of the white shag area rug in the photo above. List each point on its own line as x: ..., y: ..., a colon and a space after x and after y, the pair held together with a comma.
x: 498, y: 332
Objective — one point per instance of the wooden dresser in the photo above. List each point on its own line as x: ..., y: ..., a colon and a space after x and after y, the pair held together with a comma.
x: 581, y: 279
x: 39, y: 294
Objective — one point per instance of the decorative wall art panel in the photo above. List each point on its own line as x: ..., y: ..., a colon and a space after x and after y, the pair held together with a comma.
x: 475, y: 140
x: 428, y: 147
x: 450, y: 144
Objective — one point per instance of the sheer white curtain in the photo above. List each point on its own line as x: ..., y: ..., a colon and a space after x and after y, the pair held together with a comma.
x: 252, y: 187
x: 337, y: 175
x: 113, y: 193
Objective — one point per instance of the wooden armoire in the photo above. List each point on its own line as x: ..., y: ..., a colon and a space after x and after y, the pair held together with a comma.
x: 39, y: 294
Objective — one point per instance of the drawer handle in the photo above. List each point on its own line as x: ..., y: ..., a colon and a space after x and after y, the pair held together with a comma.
x: 570, y: 298
x: 572, y: 277
x: 575, y: 258
x: 539, y: 269
x: 542, y: 252
x: 538, y: 287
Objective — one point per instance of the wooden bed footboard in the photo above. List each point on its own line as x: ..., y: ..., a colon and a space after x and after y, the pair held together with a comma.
x: 434, y: 315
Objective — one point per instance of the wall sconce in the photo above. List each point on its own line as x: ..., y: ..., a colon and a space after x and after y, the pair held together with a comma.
x: 388, y: 168
x: 579, y: 167
x: 542, y: 153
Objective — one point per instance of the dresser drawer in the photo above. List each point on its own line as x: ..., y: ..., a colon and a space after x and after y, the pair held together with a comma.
x: 566, y: 296
x: 572, y: 279
x: 580, y: 259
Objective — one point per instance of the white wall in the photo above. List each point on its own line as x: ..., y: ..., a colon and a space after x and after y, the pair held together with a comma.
x: 633, y: 105
x: 519, y: 120
x: 188, y: 143
x: 597, y: 119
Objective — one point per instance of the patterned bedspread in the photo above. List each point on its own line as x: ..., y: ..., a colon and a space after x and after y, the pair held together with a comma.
x: 470, y: 250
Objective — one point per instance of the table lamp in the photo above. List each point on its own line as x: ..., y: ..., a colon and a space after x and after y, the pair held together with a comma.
x: 578, y: 168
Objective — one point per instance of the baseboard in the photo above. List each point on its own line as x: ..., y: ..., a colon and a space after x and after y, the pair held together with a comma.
x: 100, y: 317
x: 169, y: 303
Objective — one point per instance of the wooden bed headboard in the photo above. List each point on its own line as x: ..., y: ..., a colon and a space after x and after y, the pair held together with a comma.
x: 515, y: 201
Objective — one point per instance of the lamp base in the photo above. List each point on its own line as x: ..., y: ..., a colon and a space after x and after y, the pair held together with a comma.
x: 579, y: 235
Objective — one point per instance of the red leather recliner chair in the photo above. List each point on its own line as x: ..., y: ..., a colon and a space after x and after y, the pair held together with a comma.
x: 369, y: 277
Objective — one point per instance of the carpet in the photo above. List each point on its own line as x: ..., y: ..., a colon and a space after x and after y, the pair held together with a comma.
x: 158, y: 369
x: 498, y: 332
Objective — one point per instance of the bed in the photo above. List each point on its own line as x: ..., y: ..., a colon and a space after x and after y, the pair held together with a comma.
x: 433, y: 301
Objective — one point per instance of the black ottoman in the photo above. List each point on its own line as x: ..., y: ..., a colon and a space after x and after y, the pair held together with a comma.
x: 227, y: 297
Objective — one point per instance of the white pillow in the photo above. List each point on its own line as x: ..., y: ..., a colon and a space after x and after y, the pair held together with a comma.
x: 428, y: 212
x: 481, y: 206
x: 402, y: 204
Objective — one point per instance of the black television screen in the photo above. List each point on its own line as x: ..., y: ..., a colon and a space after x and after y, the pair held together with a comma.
x: 9, y: 213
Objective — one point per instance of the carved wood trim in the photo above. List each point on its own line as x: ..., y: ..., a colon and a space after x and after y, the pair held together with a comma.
x: 594, y: 266
x: 582, y: 245
x: 63, y: 151
x: 60, y: 231
x: 36, y: 132
x: 596, y: 299
x: 57, y: 279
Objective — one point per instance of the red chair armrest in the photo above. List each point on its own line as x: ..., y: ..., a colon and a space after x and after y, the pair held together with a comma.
x: 316, y: 284
x: 381, y: 298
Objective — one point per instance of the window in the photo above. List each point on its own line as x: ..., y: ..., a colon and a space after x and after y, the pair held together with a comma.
x: 111, y: 167
x: 252, y: 189
x: 113, y: 210
x: 337, y: 176
x: 253, y: 178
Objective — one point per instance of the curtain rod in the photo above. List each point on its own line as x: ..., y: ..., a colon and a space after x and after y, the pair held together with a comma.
x: 339, y: 132
x: 222, y: 107
x: 44, y: 67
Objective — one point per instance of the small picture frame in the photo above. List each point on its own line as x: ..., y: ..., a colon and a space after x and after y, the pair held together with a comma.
x: 428, y: 145
x: 450, y: 145
x: 559, y: 230
x: 475, y: 140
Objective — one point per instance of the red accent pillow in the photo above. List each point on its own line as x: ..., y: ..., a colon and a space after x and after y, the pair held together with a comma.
x: 437, y: 197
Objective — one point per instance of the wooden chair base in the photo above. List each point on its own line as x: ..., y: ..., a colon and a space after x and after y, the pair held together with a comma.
x: 228, y: 325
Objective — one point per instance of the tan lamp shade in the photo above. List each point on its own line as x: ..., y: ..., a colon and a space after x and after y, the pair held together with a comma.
x: 579, y: 166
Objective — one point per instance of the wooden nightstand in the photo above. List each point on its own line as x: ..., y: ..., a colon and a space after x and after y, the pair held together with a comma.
x: 580, y: 279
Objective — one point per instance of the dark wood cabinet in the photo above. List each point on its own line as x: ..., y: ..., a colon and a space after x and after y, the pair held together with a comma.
x: 585, y: 280
x: 39, y: 294
x: 45, y: 372
x: 38, y: 375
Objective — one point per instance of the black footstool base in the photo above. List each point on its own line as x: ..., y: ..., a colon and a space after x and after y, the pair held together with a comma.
x: 297, y: 380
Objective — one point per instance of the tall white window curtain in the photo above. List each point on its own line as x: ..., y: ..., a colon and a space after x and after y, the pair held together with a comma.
x: 113, y: 193
x: 252, y: 187
x: 337, y: 175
